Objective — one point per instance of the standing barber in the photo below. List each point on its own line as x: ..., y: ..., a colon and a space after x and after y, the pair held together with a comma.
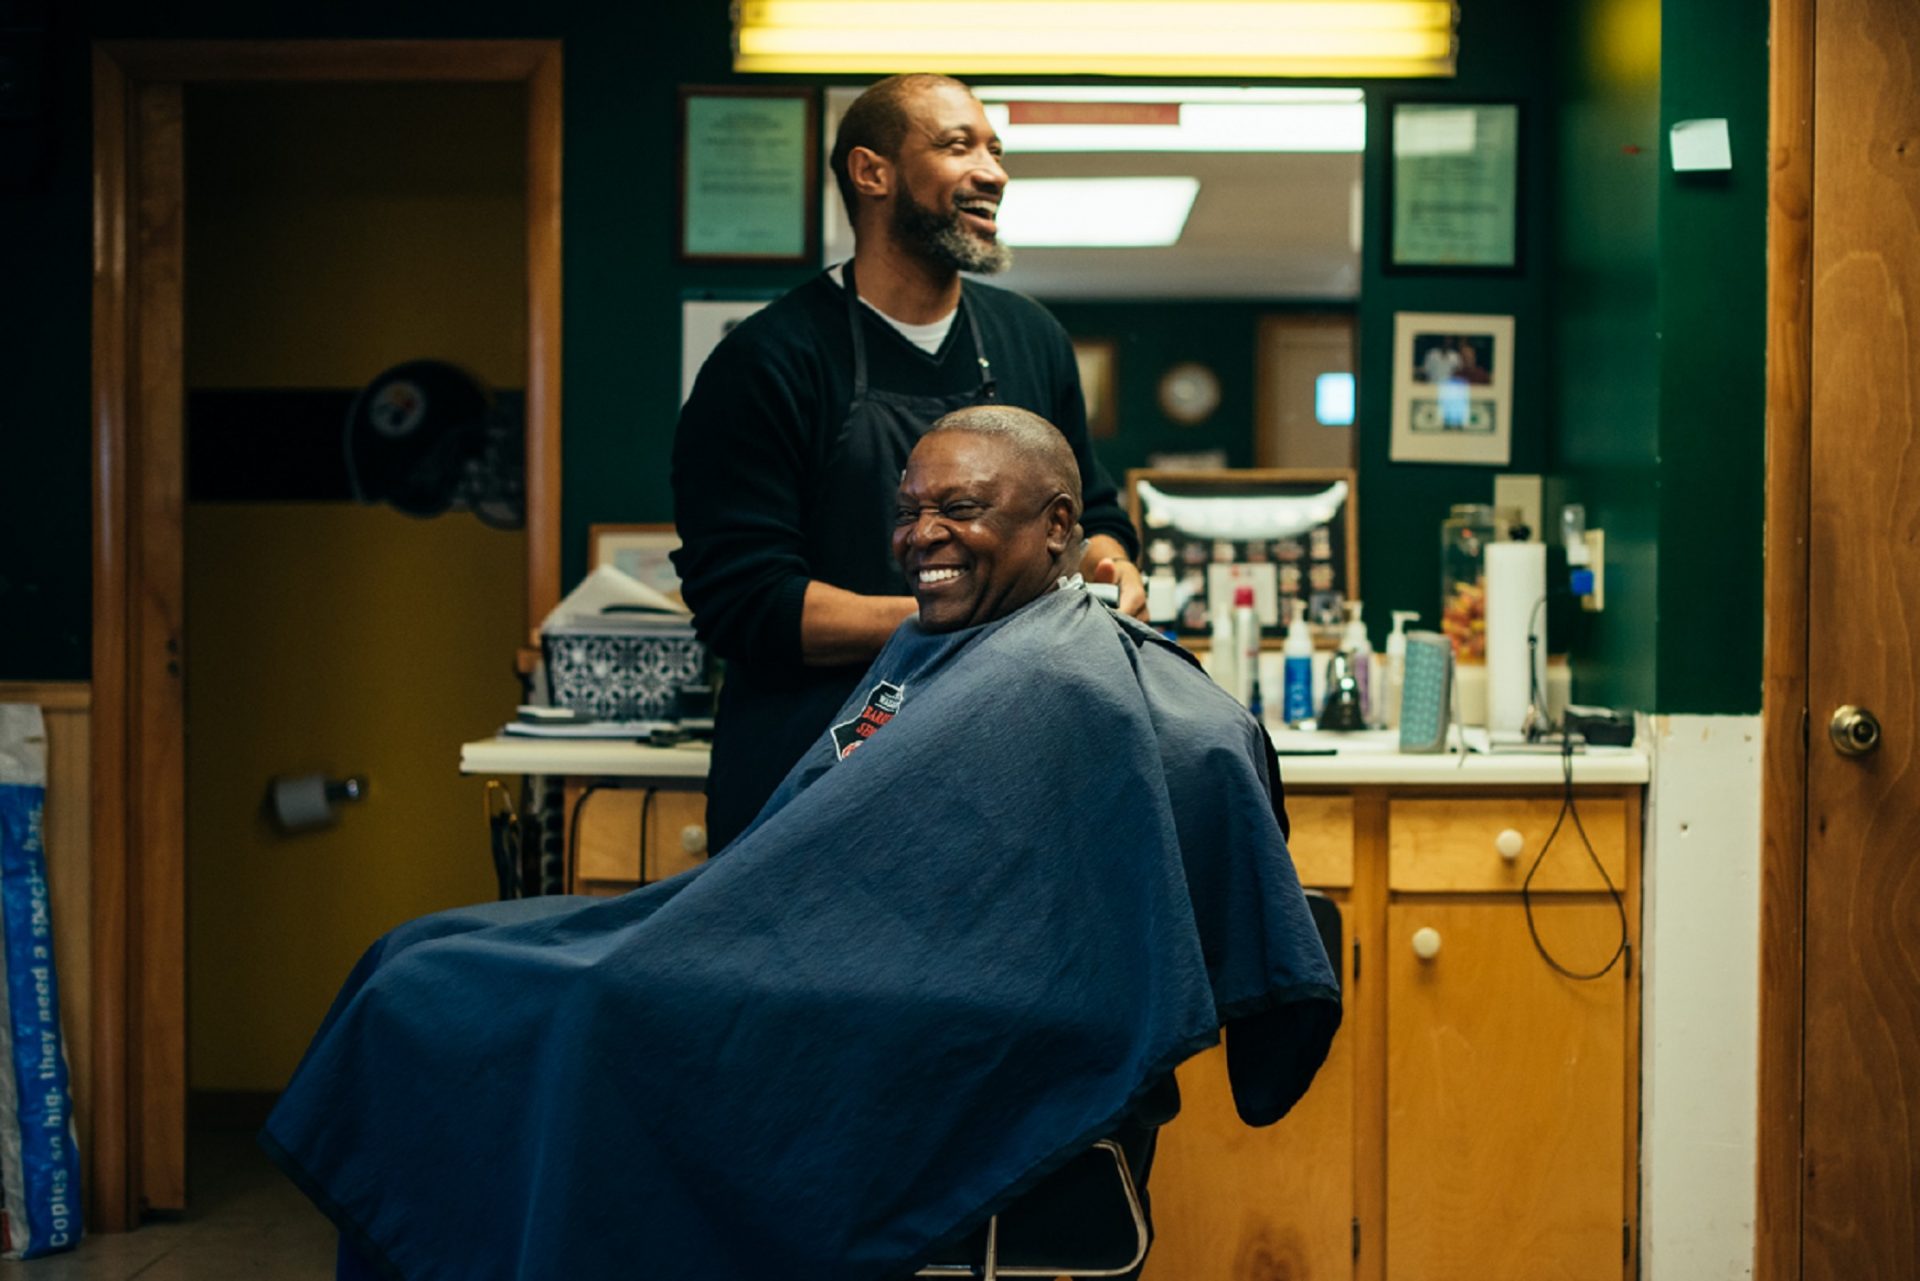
x: 790, y: 449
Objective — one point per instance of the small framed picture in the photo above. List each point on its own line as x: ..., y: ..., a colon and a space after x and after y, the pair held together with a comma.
x: 1095, y: 356
x: 1453, y: 189
x: 1452, y: 388
x: 639, y: 551
x: 749, y: 174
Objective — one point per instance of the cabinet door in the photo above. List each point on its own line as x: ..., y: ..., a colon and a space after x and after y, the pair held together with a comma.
x: 1506, y: 1094
x: 1232, y: 1203
x: 619, y: 829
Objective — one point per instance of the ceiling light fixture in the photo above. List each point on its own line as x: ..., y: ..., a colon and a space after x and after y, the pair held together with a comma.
x: 1187, y: 38
x: 1096, y: 213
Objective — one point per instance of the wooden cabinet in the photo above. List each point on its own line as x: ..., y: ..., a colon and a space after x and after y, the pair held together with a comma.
x: 1476, y: 1119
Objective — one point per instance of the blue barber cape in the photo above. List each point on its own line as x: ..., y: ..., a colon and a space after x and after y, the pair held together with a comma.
x: 1032, y: 867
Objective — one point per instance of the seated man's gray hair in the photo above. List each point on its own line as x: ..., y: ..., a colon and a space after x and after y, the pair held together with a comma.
x: 1038, y: 442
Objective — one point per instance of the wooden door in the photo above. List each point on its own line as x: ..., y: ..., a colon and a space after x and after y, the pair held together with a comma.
x: 1289, y: 428
x: 1506, y: 1094
x: 1860, y: 1167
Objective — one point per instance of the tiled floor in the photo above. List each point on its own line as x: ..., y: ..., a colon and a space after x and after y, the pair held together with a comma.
x: 248, y: 1223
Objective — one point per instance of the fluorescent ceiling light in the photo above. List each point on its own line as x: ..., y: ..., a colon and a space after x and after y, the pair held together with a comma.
x: 1160, y: 93
x: 1200, y: 126
x: 1104, y: 213
x: 1190, y: 38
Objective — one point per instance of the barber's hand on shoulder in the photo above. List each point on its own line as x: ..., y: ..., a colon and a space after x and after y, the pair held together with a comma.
x: 1133, y: 590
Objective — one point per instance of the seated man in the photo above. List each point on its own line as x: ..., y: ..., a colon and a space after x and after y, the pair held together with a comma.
x: 1033, y: 865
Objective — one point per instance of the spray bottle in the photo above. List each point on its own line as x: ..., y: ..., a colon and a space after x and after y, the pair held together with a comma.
x: 1396, y: 667
x: 1297, y: 678
x: 1246, y: 645
x: 1360, y: 657
x: 1224, y: 654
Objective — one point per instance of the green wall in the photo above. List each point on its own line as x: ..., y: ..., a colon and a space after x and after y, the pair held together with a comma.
x: 1713, y: 307
x: 1659, y: 307
x: 1606, y: 345
x: 1681, y: 484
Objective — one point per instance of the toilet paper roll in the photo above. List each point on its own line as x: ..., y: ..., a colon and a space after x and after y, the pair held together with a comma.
x: 299, y: 802
x: 1516, y: 583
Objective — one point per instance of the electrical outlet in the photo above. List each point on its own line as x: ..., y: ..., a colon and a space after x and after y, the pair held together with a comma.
x: 1596, y: 600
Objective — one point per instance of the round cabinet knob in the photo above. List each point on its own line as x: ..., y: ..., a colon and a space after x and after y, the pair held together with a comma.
x: 1509, y: 843
x: 693, y: 839
x: 1426, y: 942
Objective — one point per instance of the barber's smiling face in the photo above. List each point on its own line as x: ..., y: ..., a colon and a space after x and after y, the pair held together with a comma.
x: 974, y: 538
x: 951, y: 180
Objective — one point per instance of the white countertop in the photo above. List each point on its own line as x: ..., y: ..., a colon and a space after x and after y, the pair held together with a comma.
x: 1358, y: 760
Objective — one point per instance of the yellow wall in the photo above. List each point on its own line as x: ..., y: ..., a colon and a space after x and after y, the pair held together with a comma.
x: 334, y: 231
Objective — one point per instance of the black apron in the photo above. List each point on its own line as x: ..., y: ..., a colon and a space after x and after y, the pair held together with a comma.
x: 766, y: 722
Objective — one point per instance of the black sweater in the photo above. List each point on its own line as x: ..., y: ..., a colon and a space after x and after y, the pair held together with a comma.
x: 765, y: 410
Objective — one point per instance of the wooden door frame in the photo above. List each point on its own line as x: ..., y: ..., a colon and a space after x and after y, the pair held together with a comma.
x: 1783, y: 814
x: 134, y: 1148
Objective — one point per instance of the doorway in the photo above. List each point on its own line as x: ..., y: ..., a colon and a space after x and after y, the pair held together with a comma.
x: 136, y: 1144
x: 333, y: 231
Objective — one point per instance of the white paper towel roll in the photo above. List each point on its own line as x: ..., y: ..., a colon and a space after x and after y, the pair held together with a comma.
x: 1516, y: 582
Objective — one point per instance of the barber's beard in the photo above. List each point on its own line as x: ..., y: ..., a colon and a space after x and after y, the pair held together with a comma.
x: 941, y: 238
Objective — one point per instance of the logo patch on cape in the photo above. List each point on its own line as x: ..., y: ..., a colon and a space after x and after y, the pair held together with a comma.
x: 882, y: 703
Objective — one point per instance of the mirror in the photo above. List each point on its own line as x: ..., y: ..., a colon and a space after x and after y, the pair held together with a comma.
x: 1207, y: 229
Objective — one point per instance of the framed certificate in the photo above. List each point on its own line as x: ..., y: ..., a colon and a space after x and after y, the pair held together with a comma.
x: 748, y: 174
x: 1454, y: 188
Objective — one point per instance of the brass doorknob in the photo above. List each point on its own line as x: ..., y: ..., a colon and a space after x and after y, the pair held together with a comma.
x: 1855, y: 731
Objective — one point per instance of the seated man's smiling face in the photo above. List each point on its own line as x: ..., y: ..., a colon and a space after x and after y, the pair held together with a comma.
x: 975, y: 536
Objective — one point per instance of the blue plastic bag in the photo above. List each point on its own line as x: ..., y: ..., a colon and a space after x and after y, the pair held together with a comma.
x: 39, y: 1153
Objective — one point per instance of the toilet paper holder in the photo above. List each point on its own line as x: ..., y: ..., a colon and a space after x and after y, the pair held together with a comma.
x: 306, y: 802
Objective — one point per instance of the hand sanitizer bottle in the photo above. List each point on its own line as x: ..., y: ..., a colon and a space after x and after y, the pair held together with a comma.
x: 1360, y: 658
x: 1297, y: 678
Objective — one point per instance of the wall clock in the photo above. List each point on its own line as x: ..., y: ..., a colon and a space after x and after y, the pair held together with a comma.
x: 1189, y: 393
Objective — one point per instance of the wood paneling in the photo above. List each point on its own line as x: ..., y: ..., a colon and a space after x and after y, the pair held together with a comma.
x: 1439, y: 844
x: 1784, y: 697
x: 157, y: 493
x: 296, y: 60
x: 543, y: 337
x: 69, y: 851
x: 1273, y: 1204
x: 1322, y: 840
x: 1860, y: 1180
x: 109, y: 1185
x: 1505, y: 1090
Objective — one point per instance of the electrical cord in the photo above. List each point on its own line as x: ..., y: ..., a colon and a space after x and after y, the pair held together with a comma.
x: 646, y: 808
x: 573, y: 828
x: 1568, y: 807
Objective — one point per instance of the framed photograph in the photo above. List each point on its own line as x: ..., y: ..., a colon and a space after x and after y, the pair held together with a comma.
x: 704, y: 321
x: 1293, y: 535
x: 749, y: 174
x: 1453, y: 196
x: 1095, y: 356
x: 1452, y: 389
x: 641, y: 551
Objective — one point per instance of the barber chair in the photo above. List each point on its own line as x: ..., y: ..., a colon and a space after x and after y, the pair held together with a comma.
x: 1095, y: 1193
